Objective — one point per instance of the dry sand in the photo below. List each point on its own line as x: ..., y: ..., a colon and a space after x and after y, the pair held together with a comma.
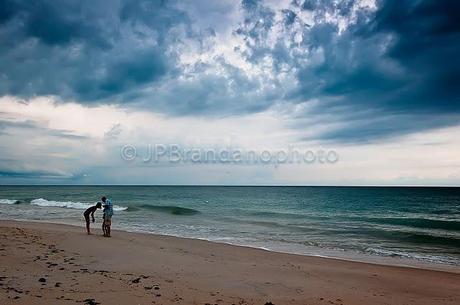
x: 58, y: 264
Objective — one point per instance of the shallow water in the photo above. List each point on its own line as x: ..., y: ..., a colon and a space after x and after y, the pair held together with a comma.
x: 413, y: 223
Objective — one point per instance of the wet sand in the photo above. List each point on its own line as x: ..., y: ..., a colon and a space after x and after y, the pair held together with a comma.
x: 57, y: 264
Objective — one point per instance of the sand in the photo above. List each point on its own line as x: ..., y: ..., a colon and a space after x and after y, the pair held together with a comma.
x: 58, y: 264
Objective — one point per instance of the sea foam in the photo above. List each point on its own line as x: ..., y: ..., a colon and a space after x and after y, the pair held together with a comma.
x: 8, y: 201
x: 69, y: 204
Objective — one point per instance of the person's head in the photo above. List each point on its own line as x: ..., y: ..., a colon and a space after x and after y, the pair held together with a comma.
x: 98, y: 205
x: 103, y: 199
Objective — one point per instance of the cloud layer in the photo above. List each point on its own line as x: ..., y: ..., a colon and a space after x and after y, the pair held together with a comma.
x: 351, y: 72
x: 185, y: 58
x: 40, y: 144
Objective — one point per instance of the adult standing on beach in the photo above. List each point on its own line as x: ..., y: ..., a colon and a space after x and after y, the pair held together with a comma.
x: 107, y: 216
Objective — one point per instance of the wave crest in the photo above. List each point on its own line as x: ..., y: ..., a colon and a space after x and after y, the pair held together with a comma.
x: 9, y: 201
x: 69, y: 204
x: 451, y: 225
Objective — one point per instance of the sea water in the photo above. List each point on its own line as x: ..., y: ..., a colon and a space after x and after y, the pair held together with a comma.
x: 416, y: 223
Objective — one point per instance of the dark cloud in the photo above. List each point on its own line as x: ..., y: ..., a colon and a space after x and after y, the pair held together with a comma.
x: 368, y: 128
x: 232, y: 93
x: 397, y: 63
x: 426, y: 44
x: 84, y: 50
x: 121, y: 75
x: 54, y: 23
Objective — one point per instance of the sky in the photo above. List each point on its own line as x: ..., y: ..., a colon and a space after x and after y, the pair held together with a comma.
x: 372, y: 82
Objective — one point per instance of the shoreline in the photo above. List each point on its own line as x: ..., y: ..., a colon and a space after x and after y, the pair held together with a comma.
x: 45, y: 262
x: 351, y: 257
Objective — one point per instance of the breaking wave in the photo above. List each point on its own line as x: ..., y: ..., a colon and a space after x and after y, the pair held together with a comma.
x: 9, y: 201
x: 69, y: 204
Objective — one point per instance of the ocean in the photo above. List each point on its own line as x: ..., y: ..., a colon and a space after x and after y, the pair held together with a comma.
x: 410, y: 223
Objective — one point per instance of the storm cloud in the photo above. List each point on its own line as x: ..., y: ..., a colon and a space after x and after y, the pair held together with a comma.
x: 386, y: 68
x: 84, y: 50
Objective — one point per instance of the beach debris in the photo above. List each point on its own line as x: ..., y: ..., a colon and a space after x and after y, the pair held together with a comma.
x: 136, y: 281
x: 42, y: 280
x: 91, y: 302
x: 269, y: 303
x: 57, y: 285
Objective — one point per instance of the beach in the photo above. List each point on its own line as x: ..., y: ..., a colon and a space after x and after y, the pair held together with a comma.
x: 414, y: 225
x: 44, y: 263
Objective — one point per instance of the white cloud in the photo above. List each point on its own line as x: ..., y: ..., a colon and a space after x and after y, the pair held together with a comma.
x: 71, y: 140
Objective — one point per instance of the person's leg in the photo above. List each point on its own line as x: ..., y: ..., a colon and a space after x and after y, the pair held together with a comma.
x: 87, y: 225
x: 108, y: 225
x: 103, y: 227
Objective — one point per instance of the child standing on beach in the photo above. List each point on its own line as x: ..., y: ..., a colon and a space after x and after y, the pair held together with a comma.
x: 107, y: 216
x: 90, y: 211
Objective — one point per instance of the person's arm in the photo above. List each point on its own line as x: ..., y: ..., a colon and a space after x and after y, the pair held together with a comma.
x: 92, y: 215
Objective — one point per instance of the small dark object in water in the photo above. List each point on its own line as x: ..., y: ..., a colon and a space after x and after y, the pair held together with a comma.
x: 269, y: 303
x: 135, y: 281
x: 42, y: 280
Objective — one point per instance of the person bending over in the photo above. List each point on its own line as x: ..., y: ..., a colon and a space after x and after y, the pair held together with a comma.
x: 88, y: 212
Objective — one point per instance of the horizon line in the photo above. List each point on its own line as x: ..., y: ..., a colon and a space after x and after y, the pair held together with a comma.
x: 239, y: 185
